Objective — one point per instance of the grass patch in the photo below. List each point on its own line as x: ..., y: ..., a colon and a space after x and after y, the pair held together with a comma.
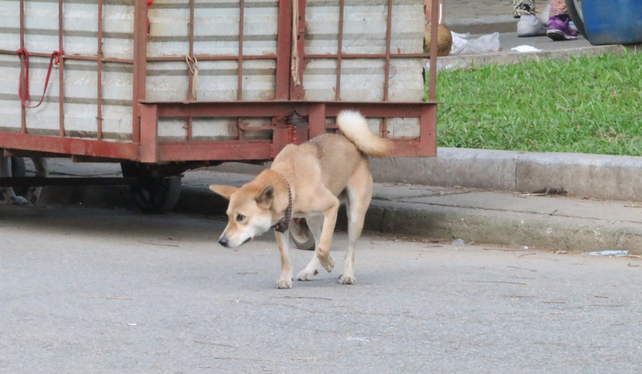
x: 587, y: 105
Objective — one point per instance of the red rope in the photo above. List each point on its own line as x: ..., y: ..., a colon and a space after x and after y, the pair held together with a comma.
x: 24, y: 96
x: 149, y: 24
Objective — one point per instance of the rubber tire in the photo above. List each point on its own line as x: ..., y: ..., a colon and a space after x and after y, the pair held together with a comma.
x: 575, y: 17
x: 301, y: 235
x: 152, y: 195
x: 19, y: 170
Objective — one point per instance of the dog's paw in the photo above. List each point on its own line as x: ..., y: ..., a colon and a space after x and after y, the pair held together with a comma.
x: 283, y: 284
x: 347, y: 279
x: 306, y: 275
x: 327, y: 263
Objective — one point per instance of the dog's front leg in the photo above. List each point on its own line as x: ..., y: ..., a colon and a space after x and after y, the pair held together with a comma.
x: 329, y: 221
x: 283, y: 240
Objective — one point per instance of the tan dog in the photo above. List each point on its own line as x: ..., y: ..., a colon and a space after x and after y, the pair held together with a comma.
x: 309, y: 181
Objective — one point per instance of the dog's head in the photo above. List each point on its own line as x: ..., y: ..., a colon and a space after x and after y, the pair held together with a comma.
x: 249, y: 213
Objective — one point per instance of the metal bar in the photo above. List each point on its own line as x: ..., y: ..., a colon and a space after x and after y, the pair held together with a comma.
x: 256, y: 128
x: 281, y: 136
x: 188, y: 128
x: 72, y: 57
x: 191, y: 48
x: 432, y: 85
x: 190, y: 120
x: 383, y: 128
x: 99, y: 111
x: 224, y: 109
x: 239, y: 91
x: 240, y: 57
x: 428, y: 131
x: 378, y: 109
x: 429, y: 12
x: 140, y: 64
x: 89, y: 58
x: 386, y: 81
x: 149, y: 133
x: 298, y: 92
x: 406, y: 148
x: 316, y: 120
x: 223, y: 151
x: 285, y: 108
x: 269, y: 56
x: 346, y: 56
x: 284, y: 49
x: 339, y: 50
x: 247, y: 150
x: 61, y: 71
x: 21, y: 153
x: 23, y: 66
x: 240, y: 130
x: 69, y: 146
x: 54, y: 181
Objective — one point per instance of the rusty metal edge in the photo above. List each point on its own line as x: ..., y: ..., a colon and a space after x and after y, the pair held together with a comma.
x: 99, y: 110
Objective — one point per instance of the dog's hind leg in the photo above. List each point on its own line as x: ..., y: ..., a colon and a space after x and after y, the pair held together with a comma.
x: 359, y: 196
x: 41, y: 171
x: 283, y: 240
x: 330, y: 210
x: 315, y: 224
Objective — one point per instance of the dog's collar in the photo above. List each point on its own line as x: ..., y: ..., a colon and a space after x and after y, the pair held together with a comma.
x: 284, y: 224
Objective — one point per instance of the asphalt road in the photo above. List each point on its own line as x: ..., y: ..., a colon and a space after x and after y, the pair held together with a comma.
x: 106, y: 291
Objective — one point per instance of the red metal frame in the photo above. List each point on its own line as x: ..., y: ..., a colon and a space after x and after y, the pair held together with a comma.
x: 61, y: 72
x: 145, y: 146
x: 153, y: 152
x: 99, y: 104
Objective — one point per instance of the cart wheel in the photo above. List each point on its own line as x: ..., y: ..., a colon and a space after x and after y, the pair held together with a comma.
x: 301, y: 235
x: 19, y: 170
x: 154, y: 195
x: 574, y: 8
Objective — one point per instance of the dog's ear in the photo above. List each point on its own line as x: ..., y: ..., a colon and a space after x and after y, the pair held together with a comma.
x: 225, y: 191
x: 265, y: 197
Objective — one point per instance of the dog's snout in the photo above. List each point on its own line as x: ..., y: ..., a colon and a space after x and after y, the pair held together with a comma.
x: 223, y: 241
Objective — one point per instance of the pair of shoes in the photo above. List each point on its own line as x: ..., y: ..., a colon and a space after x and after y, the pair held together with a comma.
x: 529, y: 25
x: 560, y: 29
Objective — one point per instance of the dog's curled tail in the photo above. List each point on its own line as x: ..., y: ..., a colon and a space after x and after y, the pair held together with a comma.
x: 355, y: 127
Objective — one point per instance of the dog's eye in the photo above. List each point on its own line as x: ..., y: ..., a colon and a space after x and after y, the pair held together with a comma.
x: 240, y: 218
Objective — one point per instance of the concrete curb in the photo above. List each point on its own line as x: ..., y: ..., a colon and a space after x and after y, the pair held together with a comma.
x: 580, y: 175
x: 506, y: 228
x: 511, y: 57
x: 483, y: 25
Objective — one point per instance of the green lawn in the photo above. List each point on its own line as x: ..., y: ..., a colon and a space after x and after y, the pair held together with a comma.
x: 588, y: 105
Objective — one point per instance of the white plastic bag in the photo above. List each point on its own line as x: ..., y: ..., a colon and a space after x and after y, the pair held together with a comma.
x: 459, y: 42
x: 483, y: 44
x: 455, y: 65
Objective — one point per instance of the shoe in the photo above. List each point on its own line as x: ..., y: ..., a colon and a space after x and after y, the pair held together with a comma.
x: 560, y: 30
x: 529, y: 25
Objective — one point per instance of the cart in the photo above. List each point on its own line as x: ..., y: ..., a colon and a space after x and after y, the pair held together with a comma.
x: 165, y: 86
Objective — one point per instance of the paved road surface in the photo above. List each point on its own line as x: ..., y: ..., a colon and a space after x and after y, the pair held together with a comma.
x: 105, y: 291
